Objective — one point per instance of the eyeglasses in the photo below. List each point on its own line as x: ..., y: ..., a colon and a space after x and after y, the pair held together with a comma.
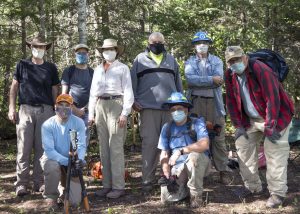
x: 177, y: 109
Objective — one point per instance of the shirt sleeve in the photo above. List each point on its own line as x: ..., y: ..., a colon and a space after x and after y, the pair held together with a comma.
x: 133, y: 73
x: 200, y: 128
x: 178, y: 81
x: 93, y: 95
x: 48, y: 145
x: 17, y: 72
x: 81, y: 149
x: 65, y: 80
x: 55, y: 78
x: 128, y: 96
x: 163, y: 142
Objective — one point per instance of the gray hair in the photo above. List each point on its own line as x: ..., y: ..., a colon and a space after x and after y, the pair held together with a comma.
x: 158, y: 35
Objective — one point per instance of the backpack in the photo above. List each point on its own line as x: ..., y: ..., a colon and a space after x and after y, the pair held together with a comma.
x: 71, y: 70
x: 272, y: 59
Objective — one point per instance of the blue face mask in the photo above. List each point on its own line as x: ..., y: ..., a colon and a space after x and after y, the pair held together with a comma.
x: 81, y: 58
x: 178, y: 116
x: 63, y: 112
x: 238, y: 67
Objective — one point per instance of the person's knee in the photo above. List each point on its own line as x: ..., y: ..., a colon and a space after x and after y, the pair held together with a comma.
x: 51, y: 167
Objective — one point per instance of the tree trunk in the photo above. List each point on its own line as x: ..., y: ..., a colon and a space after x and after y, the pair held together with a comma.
x: 42, y: 32
x: 82, y: 21
x: 105, y: 20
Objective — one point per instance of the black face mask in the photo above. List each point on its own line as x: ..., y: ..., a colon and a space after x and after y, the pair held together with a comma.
x: 157, y: 48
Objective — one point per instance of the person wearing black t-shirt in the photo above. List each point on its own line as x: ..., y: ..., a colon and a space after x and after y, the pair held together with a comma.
x: 35, y: 82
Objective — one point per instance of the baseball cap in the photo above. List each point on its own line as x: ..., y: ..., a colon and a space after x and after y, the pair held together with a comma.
x: 64, y: 98
x: 233, y: 52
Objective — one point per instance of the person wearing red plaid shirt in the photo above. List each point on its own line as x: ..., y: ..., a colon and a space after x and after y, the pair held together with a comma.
x: 258, y: 107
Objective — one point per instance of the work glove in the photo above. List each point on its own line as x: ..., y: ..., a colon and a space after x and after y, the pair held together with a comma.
x: 170, y: 183
x: 79, y: 164
x: 176, y: 154
x: 274, y: 137
x: 239, y: 132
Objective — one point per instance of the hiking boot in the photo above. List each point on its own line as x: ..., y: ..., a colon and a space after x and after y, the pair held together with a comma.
x: 244, y: 193
x: 51, y: 205
x: 21, y: 190
x: 226, y: 178
x: 38, y: 187
x: 275, y: 201
x: 102, y: 192
x: 115, y: 193
x: 195, y: 201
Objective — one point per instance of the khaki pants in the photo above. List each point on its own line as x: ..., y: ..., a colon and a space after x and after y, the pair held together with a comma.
x: 190, y: 175
x: 111, y: 140
x: 276, y: 159
x: 206, y: 108
x: 28, y: 138
x: 152, y: 122
x: 55, y: 182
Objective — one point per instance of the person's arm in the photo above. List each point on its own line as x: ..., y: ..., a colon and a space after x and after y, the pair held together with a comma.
x: 200, y: 146
x: 64, y: 89
x: 134, y: 82
x: 12, y: 114
x: 164, y: 160
x: 81, y: 149
x: 178, y: 81
x: 128, y: 97
x: 55, y: 82
x: 194, y: 79
x: 48, y: 145
x: 55, y: 92
x: 93, y: 95
x: 232, y: 101
x: 270, y: 91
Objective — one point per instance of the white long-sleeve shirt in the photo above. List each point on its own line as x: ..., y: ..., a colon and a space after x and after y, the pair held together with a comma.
x: 115, y: 81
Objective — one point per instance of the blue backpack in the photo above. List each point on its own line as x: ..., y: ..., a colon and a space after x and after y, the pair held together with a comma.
x: 272, y: 59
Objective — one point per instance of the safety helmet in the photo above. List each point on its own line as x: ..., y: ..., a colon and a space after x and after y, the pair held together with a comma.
x: 177, y: 98
x: 201, y: 36
x: 64, y: 98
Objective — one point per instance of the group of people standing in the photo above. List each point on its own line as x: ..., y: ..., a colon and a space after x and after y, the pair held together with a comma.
x: 257, y: 104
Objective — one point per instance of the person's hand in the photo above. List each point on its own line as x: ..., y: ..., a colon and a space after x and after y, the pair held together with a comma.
x: 122, y: 121
x: 79, y: 164
x: 218, y: 80
x: 137, y: 107
x: 176, y: 154
x: 274, y: 137
x: 239, y: 132
x: 91, y: 122
x: 12, y: 115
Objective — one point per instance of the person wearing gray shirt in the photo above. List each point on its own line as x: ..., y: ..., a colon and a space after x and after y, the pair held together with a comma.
x: 76, y: 81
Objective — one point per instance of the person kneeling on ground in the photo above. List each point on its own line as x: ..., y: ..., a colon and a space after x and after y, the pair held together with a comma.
x: 184, y: 156
x: 56, y: 143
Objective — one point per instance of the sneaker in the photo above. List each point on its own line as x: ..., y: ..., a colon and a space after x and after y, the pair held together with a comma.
x: 21, y: 190
x: 195, y: 201
x: 51, y: 205
x: 115, y: 193
x: 102, y: 192
x: 226, y: 178
x: 38, y: 187
x: 275, y: 201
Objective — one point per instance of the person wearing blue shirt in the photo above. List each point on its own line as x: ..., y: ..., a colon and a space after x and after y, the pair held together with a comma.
x: 204, y: 75
x: 184, y: 151
x: 56, y: 143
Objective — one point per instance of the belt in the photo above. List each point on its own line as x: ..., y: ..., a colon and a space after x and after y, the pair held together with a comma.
x: 110, y: 97
x: 206, y: 97
x: 35, y: 105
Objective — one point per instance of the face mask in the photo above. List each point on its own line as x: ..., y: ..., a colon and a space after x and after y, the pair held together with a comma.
x: 109, y: 55
x: 157, y: 48
x: 202, y: 48
x: 81, y: 58
x: 238, y: 67
x: 178, y: 116
x: 38, y: 53
x: 63, y: 112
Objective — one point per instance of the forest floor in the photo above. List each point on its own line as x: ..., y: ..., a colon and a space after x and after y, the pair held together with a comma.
x: 218, y: 198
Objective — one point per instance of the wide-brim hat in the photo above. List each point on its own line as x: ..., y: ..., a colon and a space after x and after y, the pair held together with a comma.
x: 64, y: 98
x: 112, y: 43
x: 177, y: 98
x: 39, y: 42
x: 233, y: 52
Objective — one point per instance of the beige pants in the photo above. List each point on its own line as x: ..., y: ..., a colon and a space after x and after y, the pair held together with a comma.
x: 28, y: 138
x: 190, y: 177
x: 276, y: 159
x: 206, y: 108
x: 55, y: 182
x: 111, y: 140
x: 152, y: 122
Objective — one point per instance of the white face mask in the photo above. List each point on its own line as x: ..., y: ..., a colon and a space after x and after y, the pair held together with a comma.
x: 109, y: 55
x: 38, y: 53
x: 201, y: 48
